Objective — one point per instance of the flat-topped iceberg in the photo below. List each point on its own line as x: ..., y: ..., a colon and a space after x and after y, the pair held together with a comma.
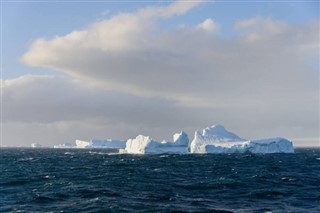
x: 271, y: 145
x: 146, y: 145
x: 217, y: 139
x: 101, y: 144
x: 64, y: 146
x: 94, y: 144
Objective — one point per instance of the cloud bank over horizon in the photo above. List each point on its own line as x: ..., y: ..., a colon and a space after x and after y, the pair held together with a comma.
x: 126, y: 75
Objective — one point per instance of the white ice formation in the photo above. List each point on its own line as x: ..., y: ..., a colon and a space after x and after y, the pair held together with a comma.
x: 95, y: 144
x: 36, y: 145
x: 146, y: 145
x: 107, y: 144
x: 217, y: 139
x: 64, y: 146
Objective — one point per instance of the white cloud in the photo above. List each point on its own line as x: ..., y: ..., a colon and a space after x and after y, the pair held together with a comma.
x: 262, y: 75
x: 117, y: 52
x: 262, y: 23
x: 209, y: 25
x: 174, y: 9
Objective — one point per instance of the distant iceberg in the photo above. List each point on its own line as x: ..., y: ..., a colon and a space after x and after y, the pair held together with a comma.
x: 64, y: 146
x: 94, y: 144
x: 102, y: 144
x: 36, y: 145
x: 217, y: 139
x: 146, y: 145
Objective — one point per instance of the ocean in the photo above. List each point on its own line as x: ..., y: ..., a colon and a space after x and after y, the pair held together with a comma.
x: 97, y: 180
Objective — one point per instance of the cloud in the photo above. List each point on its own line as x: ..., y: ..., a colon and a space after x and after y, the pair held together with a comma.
x: 53, y: 99
x: 209, y: 25
x: 265, y: 24
x: 60, y: 106
x: 122, y: 32
x: 176, y: 8
x: 262, y: 75
x: 118, y: 51
x: 53, y: 110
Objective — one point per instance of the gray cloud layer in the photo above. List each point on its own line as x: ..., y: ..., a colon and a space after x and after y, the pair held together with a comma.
x: 128, y: 77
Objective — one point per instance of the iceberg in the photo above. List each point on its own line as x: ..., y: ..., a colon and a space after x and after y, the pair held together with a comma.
x: 217, y: 139
x: 64, y: 146
x: 36, y: 145
x: 214, y: 139
x: 272, y: 145
x: 94, y: 143
x: 101, y: 144
x: 146, y: 145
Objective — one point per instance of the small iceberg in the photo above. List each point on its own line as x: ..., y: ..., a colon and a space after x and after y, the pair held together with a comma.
x: 64, y: 146
x: 36, y: 145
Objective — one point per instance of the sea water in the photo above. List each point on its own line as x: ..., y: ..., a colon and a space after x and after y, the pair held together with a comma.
x: 81, y: 180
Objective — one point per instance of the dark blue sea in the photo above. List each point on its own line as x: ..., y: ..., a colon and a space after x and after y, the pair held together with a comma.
x: 62, y: 180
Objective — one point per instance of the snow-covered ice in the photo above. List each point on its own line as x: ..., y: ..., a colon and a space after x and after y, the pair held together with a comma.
x: 146, y: 145
x: 95, y: 143
x: 107, y: 144
x: 272, y: 145
x: 217, y: 139
x: 219, y: 133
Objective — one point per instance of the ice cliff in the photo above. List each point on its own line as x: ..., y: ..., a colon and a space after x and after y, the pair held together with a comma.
x: 217, y: 139
x: 146, y: 145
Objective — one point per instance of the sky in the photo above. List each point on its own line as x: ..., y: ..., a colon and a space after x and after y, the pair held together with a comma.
x: 115, y: 69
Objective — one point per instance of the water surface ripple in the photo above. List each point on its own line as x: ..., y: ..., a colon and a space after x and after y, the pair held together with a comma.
x: 61, y: 180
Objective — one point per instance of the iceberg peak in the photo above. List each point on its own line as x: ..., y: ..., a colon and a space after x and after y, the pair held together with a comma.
x: 181, y: 138
x: 218, y: 132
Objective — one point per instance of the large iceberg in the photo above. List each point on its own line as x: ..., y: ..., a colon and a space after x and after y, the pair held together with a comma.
x: 217, y: 139
x: 146, y: 145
